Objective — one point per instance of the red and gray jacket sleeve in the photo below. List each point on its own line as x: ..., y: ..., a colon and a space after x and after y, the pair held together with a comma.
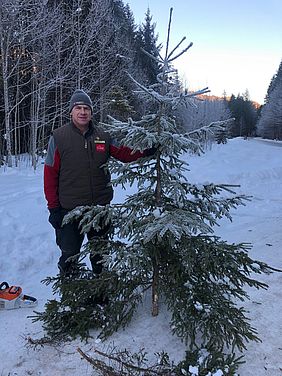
x: 125, y: 154
x: 51, y: 175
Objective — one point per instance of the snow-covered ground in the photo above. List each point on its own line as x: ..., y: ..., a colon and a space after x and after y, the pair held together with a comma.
x: 28, y: 254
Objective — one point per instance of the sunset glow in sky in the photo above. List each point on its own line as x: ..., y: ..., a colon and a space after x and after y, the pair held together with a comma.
x: 236, y: 45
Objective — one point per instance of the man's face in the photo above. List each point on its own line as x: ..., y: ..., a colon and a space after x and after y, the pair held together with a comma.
x: 81, y: 115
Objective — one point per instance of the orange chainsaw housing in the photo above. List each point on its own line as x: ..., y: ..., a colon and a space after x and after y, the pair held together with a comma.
x: 11, y: 297
x: 10, y: 293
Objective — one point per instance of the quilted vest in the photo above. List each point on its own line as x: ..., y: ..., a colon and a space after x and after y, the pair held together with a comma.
x: 83, y: 178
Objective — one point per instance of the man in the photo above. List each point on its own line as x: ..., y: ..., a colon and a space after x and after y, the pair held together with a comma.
x: 74, y: 175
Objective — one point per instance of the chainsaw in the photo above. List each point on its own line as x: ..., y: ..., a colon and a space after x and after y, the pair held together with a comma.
x: 12, y: 297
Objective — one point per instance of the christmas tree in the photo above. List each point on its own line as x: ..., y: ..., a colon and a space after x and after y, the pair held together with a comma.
x: 161, y: 239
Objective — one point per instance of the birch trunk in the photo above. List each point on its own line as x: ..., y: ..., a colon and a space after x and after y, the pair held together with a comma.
x: 8, y: 138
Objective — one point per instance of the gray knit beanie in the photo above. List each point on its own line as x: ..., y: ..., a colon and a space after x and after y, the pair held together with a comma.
x: 80, y: 97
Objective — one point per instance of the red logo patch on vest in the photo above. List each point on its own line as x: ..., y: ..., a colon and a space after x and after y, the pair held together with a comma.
x: 100, y: 148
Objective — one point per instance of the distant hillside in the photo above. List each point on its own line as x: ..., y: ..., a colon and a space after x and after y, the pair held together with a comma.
x: 217, y: 98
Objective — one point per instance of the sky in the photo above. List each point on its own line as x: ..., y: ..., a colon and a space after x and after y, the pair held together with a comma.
x: 28, y: 254
x: 237, y: 45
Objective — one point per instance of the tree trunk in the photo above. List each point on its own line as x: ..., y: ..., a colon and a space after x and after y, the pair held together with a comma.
x: 155, y: 288
x: 6, y: 103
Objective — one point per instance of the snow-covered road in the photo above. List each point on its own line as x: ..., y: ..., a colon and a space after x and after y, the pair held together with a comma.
x: 28, y: 254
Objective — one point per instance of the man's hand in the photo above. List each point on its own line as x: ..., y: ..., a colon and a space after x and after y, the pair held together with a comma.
x: 150, y: 152
x: 56, y: 217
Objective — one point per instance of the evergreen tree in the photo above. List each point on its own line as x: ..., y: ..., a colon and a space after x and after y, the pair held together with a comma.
x: 147, y: 41
x: 245, y: 114
x: 270, y: 120
x: 162, y: 239
x: 119, y: 106
x: 275, y: 81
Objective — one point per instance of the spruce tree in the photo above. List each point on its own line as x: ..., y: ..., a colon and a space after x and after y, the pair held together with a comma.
x: 146, y: 40
x: 119, y: 106
x: 270, y: 121
x: 161, y: 239
x: 245, y: 114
